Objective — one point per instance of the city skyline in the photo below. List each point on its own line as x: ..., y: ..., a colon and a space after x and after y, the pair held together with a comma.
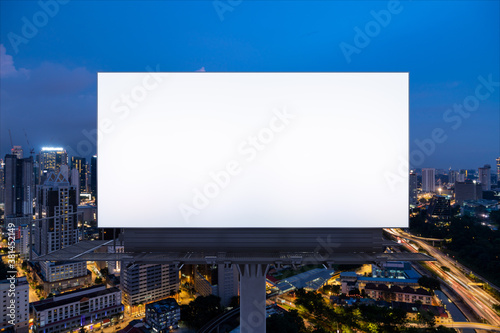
x: 48, y: 78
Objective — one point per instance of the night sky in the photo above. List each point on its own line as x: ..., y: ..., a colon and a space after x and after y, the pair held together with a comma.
x: 48, y: 74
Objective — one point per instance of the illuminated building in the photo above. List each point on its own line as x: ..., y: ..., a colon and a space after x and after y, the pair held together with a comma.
x: 164, y: 315
x: 51, y: 159
x: 93, y: 176
x: 143, y: 283
x: 18, y: 151
x: 57, y: 227
x: 90, y: 307
x: 498, y: 170
x: 21, y: 297
x: 80, y: 164
x: 428, y: 180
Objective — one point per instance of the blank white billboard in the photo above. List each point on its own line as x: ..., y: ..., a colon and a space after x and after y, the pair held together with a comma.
x: 253, y: 150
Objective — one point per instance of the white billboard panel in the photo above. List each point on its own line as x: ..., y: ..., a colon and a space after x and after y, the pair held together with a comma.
x: 253, y: 150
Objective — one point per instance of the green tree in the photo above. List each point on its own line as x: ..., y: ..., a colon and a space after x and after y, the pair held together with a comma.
x: 429, y: 282
x: 288, y: 322
x: 201, y: 311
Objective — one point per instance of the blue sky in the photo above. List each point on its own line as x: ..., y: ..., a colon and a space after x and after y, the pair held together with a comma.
x: 48, y: 76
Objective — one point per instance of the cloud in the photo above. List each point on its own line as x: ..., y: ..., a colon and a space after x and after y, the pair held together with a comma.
x: 54, y: 103
x: 7, y: 67
x: 201, y: 69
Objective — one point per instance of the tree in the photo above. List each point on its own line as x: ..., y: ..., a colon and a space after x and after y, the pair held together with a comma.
x: 201, y: 311
x: 288, y: 322
x: 98, y: 280
x: 426, y: 318
x: 429, y: 282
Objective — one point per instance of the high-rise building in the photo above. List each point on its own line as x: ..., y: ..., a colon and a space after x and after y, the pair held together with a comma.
x: 18, y: 151
x: 413, y: 188
x: 452, y: 176
x: 19, y: 189
x: 144, y: 283
x: 57, y: 227
x: 498, y: 170
x: 20, y: 302
x: 75, y: 181
x: 428, y: 180
x: 80, y: 164
x: 51, y: 159
x: 485, y: 177
x: 468, y: 190
x: 93, y: 176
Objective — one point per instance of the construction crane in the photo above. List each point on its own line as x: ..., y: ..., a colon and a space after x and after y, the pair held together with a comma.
x: 32, y: 150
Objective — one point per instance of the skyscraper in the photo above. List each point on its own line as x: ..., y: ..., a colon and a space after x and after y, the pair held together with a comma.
x: 80, y: 164
x: 19, y: 188
x: 93, y: 176
x: 428, y: 180
x: 413, y: 188
x: 57, y: 227
x: 498, y: 170
x: 51, y: 159
x: 485, y: 177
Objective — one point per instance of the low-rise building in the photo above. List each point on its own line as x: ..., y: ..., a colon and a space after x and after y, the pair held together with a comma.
x: 89, y: 307
x: 399, y: 294
x: 441, y: 316
x: 163, y: 316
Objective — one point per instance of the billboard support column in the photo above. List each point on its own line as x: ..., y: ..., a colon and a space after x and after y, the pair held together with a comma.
x: 253, y: 297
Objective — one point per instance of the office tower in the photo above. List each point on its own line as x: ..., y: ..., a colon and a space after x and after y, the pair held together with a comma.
x: 485, y: 177
x: 90, y: 308
x: 51, y: 159
x: 21, y: 304
x: 80, y: 164
x: 143, y: 283
x: 19, y: 189
x: 57, y: 227
x: 93, y: 176
x: 2, y: 182
x: 428, y: 180
x: 413, y: 188
x: 18, y: 151
x: 468, y: 190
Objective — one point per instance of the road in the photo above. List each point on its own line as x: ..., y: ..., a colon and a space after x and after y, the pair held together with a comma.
x: 475, y: 297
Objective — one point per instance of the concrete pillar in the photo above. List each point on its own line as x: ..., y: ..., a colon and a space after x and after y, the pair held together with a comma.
x: 253, y: 297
